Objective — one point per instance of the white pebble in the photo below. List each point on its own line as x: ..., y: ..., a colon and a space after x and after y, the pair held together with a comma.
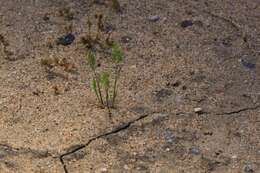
x: 103, y: 169
x: 126, y: 167
x: 234, y: 157
x: 197, y: 110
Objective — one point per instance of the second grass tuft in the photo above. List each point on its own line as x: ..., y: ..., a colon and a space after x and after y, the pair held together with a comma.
x: 104, y: 82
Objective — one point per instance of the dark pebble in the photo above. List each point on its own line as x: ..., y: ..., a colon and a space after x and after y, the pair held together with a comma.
x: 108, y: 28
x: 154, y: 18
x: 248, y: 65
x: 46, y: 18
x: 227, y: 43
x: 36, y: 93
x: 99, y: 2
x: 249, y: 169
x: 208, y: 133
x: 186, y: 23
x: 66, y: 39
x: 126, y: 39
x: 176, y: 84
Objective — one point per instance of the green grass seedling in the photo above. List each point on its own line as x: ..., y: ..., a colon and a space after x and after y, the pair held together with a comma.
x: 117, y: 58
x: 102, y: 82
x: 106, y: 84
x: 91, y: 58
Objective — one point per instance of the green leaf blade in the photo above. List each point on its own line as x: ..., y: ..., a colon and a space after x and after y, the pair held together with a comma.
x: 117, y: 53
x: 93, y: 85
x: 104, y: 79
x: 91, y: 59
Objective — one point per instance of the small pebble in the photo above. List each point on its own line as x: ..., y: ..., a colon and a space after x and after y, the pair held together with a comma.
x: 103, y: 169
x: 198, y: 110
x: 108, y: 29
x: 142, y: 168
x: 234, y: 157
x: 186, y: 23
x: 133, y: 66
x: 99, y: 2
x: 46, y: 17
x: 126, y: 39
x: 249, y: 168
x: 66, y: 39
x: 194, y: 150
x: 154, y: 18
x: 169, y: 136
x: 126, y: 167
x: 247, y: 64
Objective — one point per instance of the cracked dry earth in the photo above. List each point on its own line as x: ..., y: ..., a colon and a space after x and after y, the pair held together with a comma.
x: 198, y: 54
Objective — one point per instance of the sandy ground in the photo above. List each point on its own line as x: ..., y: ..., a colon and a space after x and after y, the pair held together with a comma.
x: 180, y: 57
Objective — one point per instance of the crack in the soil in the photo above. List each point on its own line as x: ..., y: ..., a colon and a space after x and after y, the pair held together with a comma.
x: 125, y: 126
x: 240, y: 110
x: 9, y: 150
x: 117, y: 129
x: 229, y: 21
x: 241, y: 33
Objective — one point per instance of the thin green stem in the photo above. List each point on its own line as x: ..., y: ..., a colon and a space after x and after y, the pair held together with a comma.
x: 107, y: 100
x: 117, y: 73
x: 96, y: 92
x: 97, y: 34
x: 99, y: 89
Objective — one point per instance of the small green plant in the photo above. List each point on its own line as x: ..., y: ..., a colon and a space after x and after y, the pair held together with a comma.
x: 117, y: 58
x: 101, y: 82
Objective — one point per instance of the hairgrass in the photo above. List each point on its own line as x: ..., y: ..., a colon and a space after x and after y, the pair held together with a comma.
x: 104, y: 84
